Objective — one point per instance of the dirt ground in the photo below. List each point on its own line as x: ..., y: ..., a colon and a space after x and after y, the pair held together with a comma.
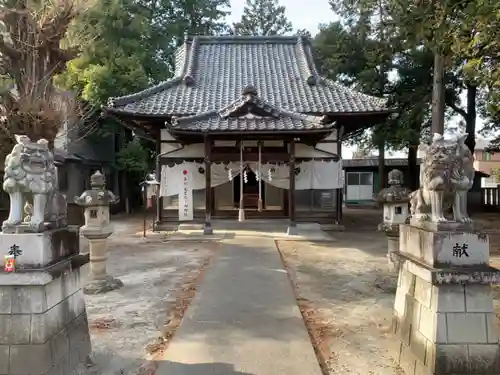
x: 346, y: 293
x: 491, y: 224
x: 126, y: 324
x: 344, y: 288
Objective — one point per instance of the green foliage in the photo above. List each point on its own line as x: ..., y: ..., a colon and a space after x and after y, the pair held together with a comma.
x: 411, y: 94
x: 134, y: 158
x: 349, y: 55
x: 478, y: 38
x: 170, y: 20
x: 129, y: 45
x: 341, y: 55
x: 409, y: 32
x: 263, y: 17
x: 115, y: 58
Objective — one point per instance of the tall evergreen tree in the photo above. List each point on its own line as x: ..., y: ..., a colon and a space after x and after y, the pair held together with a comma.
x: 263, y: 17
x: 127, y: 46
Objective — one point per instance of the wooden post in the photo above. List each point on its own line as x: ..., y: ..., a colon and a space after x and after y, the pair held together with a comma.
x: 292, y: 228
x: 259, y: 203
x: 241, y: 211
x: 159, y: 200
x: 207, y: 229
x: 340, y: 192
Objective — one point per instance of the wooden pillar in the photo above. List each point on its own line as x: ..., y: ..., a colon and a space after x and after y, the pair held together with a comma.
x: 159, y: 199
x: 292, y: 228
x: 207, y: 229
x: 340, y: 192
x: 241, y: 211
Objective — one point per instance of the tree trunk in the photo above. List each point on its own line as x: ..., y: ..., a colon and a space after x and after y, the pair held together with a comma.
x: 381, y: 164
x: 412, y: 167
x: 470, y: 120
x: 438, y: 94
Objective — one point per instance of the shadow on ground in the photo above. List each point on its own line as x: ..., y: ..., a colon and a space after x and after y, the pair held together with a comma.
x: 176, y: 368
x: 160, y: 368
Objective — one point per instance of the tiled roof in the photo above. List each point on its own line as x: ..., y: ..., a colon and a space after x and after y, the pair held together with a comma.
x: 212, y: 71
x: 373, y: 162
x: 249, y: 113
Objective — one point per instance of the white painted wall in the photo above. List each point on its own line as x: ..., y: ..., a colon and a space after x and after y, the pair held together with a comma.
x: 306, y: 151
x: 329, y: 147
x: 197, y: 150
x: 166, y: 136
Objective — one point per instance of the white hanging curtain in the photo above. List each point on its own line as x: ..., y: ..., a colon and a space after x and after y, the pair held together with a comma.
x: 172, y: 176
x: 320, y: 174
x: 220, y: 172
x: 314, y: 174
x: 279, y: 174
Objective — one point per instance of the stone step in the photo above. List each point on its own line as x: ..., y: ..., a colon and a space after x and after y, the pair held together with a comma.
x: 190, y: 226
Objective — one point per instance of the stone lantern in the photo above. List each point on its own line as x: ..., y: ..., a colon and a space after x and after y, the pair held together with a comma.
x: 395, y: 200
x: 97, y: 229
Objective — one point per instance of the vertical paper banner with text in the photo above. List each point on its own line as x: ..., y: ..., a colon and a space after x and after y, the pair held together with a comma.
x: 186, y: 197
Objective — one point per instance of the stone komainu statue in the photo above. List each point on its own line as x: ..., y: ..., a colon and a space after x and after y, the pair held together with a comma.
x: 30, y: 175
x: 446, y: 176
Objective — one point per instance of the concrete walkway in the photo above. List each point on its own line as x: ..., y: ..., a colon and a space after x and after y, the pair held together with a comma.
x: 244, y: 320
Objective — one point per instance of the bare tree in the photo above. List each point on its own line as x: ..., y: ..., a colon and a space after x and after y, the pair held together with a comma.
x: 30, y: 56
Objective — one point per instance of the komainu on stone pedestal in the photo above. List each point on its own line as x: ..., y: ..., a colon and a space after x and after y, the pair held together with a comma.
x: 43, y: 322
x: 446, y: 175
x: 31, y: 181
x: 443, y: 311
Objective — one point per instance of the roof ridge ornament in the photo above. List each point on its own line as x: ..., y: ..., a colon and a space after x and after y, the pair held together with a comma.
x: 308, y: 66
x: 188, y: 78
x: 249, y: 90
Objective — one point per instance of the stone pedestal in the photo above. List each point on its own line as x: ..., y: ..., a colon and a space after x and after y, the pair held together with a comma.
x: 39, y: 250
x: 100, y: 281
x: 207, y: 228
x: 444, y: 317
x: 43, y: 323
x: 292, y: 230
x: 392, y: 233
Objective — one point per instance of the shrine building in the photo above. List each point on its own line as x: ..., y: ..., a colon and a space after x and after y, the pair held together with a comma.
x: 241, y: 115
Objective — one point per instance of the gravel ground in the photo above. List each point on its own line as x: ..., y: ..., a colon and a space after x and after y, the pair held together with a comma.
x: 346, y: 293
x: 126, y: 321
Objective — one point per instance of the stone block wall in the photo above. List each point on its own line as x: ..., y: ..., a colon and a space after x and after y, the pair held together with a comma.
x: 445, y: 329
x: 44, y: 327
